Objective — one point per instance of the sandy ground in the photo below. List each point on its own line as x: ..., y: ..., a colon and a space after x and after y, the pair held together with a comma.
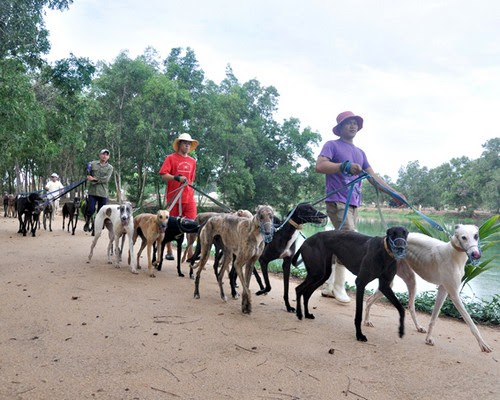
x: 73, y: 330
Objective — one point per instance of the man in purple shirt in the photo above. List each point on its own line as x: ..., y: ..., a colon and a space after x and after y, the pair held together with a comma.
x: 342, y: 161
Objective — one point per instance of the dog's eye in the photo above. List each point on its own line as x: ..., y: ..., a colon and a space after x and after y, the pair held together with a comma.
x: 476, y: 236
x: 464, y: 238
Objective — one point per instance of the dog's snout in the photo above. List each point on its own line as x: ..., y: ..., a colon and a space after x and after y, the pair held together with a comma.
x: 475, y: 255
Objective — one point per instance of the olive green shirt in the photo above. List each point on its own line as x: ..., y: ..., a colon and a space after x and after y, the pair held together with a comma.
x: 103, y: 174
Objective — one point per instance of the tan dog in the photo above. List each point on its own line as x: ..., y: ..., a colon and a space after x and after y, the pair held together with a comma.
x: 242, y: 237
x: 201, y: 219
x: 150, y: 228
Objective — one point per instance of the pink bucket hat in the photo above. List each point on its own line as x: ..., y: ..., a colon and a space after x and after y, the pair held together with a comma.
x: 342, y: 117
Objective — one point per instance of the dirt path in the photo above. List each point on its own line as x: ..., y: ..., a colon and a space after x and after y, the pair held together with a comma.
x: 72, y: 330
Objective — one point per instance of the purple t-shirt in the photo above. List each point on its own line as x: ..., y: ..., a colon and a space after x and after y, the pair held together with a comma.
x: 339, y: 151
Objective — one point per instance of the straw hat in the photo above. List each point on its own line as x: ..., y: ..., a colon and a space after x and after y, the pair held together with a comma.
x: 186, y: 137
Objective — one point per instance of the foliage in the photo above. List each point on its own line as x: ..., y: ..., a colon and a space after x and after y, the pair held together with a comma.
x: 489, y: 236
x: 480, y: 311
x: 23, y: 36
x: 461, y: 183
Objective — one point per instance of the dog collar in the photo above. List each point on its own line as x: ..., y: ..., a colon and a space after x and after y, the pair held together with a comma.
x: 386, y: 247
x: 295, y: 224
x: 456, y: 247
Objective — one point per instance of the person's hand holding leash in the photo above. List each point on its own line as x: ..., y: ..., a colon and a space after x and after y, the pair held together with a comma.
x: 180, y: 178
x: 355, y: 169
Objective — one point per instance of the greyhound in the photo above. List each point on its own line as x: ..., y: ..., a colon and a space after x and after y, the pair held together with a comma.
x: 201, y: 219
x: 242, y: 237
x: 27, y: 209
x: 48, y: 211
x: 71, y: 210
x: 176, y: 227
x: 150, y: 228
x: 365, y: 256
x: 283, y: 246
x: 119, y: 222
x: 442, y: 264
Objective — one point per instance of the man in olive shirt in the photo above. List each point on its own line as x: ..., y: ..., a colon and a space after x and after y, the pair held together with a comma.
x: 99, y: 174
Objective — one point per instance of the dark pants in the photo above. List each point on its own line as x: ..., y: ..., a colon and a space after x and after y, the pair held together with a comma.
x: 91, y: 203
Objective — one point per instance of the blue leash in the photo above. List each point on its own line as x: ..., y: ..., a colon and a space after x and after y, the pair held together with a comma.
x: 430, y: 221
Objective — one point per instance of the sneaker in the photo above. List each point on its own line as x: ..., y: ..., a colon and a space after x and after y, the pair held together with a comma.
x: 169, y: 257
x: 86, y: 227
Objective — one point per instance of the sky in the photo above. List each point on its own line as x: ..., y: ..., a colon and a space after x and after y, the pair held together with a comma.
x: 424, y: 75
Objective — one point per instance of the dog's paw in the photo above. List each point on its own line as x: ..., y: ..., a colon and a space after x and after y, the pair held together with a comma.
x: 134, y: 271
x: 421, y: 329
x: 290, y: 309
x: 196, y: 296
x: 309, y: 316
x: 401, y: 332
x: 429, y: 341
x: 361, y: 338
x: 368, y: 323
x: 181, y: 274
x: 152, y: 276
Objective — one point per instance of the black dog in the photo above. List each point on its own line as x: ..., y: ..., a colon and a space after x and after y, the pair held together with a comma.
x: 365, y: 256
x: 27, y: 210
x: 71, y: 210
x: 47, y: 215
x: 176, y: 228
x: 283, y: 246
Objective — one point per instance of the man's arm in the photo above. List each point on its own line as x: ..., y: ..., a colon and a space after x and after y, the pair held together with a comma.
x: 325, y: 166
x: 169, y: 177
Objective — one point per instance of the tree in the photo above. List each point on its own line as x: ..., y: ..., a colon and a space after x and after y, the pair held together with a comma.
x: 22, y: 29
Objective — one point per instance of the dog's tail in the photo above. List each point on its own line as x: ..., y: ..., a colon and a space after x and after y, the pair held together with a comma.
x: 297, y: 260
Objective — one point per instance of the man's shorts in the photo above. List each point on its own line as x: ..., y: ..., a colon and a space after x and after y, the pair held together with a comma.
x: 335, y: 211
x: 188, y: 210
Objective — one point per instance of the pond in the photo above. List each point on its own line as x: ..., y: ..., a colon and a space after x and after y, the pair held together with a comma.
x: 483, y: 286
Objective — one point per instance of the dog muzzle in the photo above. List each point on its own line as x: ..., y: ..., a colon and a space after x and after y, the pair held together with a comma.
x: 398, y: 247
x: 268, y: 235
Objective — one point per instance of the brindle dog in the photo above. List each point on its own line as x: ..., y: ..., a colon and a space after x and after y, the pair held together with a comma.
x: 242, y: 237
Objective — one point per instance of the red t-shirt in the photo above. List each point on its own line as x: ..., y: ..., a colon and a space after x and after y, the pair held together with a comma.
x: 175, y: 164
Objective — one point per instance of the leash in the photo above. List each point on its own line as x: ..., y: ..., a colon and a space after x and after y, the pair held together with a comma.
x: 221, y: 205
x: 69, y: 188
x: 177, y: 198
x: 363, y: 175
x: 350, y: 185
x: 430, y: 221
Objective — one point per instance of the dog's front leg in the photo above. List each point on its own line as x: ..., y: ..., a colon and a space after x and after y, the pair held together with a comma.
x: 244, y: 277
x: 455, y: 298
x: 131, y: 259
x: 360, y: 292
x: 150, y: 262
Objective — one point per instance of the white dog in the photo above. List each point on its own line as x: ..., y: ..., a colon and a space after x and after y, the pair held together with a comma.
x: 119, y: 221
x: 440, y: 263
